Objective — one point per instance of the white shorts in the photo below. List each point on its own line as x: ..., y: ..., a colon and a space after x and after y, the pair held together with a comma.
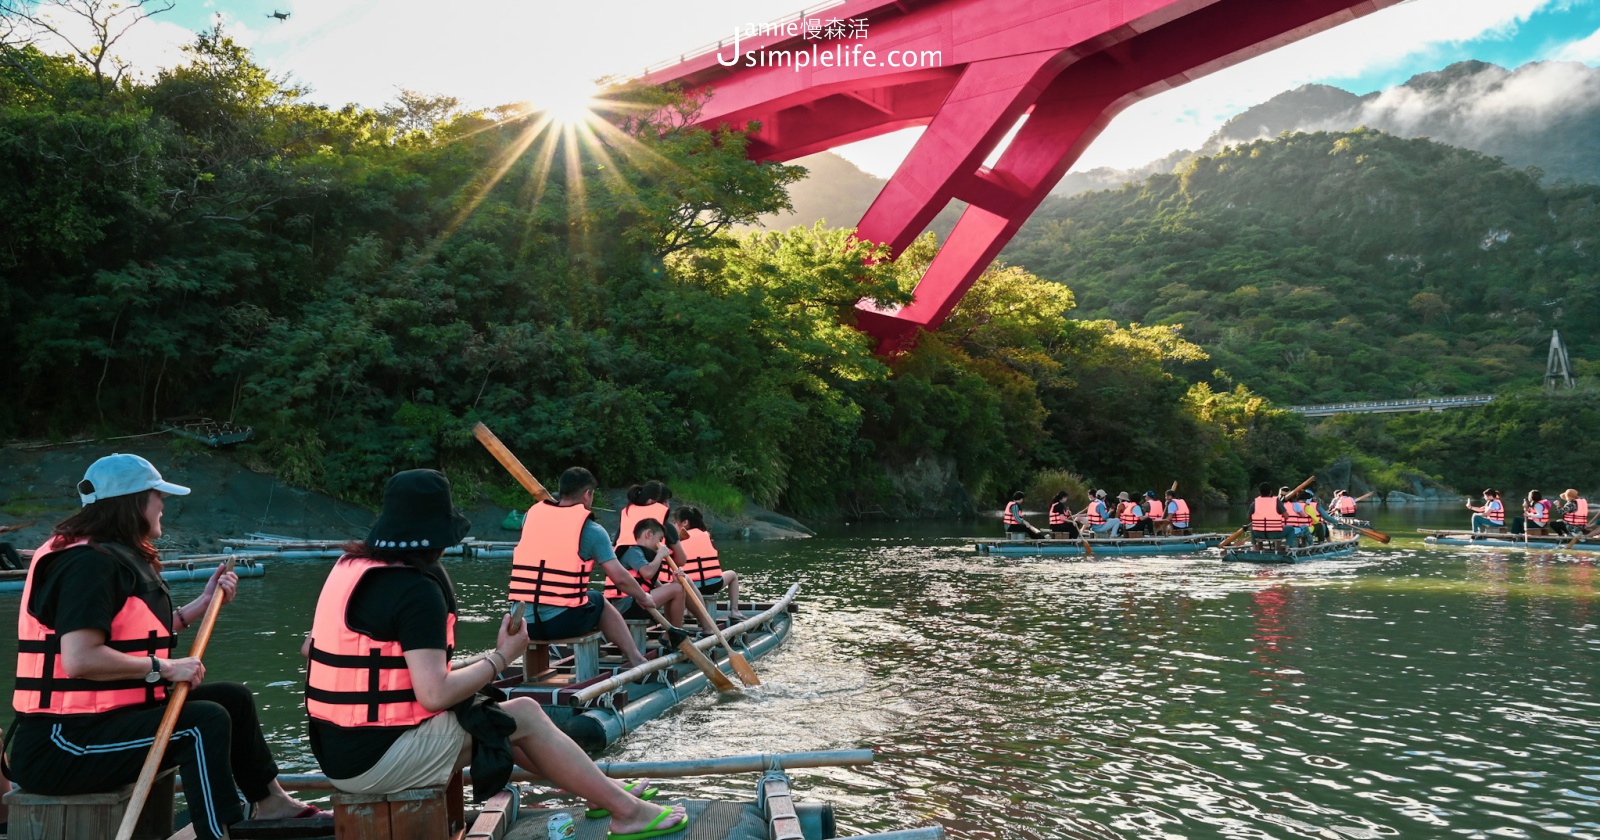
x: 424, y: 756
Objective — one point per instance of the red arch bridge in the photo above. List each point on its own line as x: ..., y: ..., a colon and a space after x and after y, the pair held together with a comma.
x: 969, y: 70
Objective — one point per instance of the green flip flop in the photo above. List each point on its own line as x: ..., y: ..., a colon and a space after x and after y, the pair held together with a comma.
x: 597, y: 813
x: 653, y: 829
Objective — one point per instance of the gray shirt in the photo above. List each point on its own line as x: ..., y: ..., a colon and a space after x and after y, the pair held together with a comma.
x: 594, y: 544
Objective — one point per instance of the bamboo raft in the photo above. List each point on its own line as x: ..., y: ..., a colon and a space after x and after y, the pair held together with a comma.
x: 195, y: 567
x: 295, y: 548
x: 519, y: 813
x: 1113, y: 546
x: 1276, y: 551
x: 597, y: 712
x: 1496, y: 539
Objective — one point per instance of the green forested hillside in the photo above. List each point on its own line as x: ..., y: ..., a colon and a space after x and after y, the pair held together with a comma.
x: 1331, y: 266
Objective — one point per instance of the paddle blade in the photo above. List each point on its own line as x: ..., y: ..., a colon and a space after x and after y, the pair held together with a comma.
x: 742, y: 670
x: 706, y: 666
x: 1376, y: 535
x: 1232, y: 538
x: 1087, y: 551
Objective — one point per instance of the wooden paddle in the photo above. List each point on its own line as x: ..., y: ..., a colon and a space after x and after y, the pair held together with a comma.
x: 741, y: 667
x: 532, y: 485
x: 1234, y: 537
x: 693, y: 654
x: 169, y: 721
x: 1365, y: 496
x: 510, y: 462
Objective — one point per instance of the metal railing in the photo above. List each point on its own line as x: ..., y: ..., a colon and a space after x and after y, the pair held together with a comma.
x: 1386, y: 406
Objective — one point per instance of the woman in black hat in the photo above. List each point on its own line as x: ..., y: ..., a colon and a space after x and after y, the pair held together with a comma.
x: 95, y: 660
x: 406, y: 717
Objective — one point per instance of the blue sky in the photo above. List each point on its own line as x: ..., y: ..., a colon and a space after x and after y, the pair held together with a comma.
x: 488, y: 52
x: 1542, y: 36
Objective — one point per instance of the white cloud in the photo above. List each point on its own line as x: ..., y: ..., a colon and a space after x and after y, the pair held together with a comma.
x: 1585, y: 49
x: 1185, y: 116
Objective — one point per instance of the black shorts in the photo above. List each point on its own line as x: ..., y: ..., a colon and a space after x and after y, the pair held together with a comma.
x: 710, y: 587
x: 574, y: 621
x: 631, y: 611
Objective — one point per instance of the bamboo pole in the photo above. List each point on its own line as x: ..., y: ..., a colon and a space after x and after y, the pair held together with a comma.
x: 169, y: 721
x: 589, y: 694
x: 755, y: 763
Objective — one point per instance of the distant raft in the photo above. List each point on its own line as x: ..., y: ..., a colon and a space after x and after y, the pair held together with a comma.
x: 1111, y: 547
x: 1495, y: 539
x: 1276, y: 551
x: 199, y: 567
x: 295, y: 548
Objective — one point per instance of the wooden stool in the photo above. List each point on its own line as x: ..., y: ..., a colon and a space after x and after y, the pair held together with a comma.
x: 495, y: 817
x: 90, y: 815
x: 636, y: 629
x: 416, y: 814
x: 586, y: 655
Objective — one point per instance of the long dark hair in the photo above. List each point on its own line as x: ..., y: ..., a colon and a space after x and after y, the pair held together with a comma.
x: 417, y: 558
x: 691, y: 517
x: 119, y: 519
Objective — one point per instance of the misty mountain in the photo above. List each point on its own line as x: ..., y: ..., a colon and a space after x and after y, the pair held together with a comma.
x: 1544, y: 114
x: 838, y: 193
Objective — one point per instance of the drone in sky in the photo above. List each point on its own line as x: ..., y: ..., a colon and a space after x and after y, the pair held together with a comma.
x: 281, y: 16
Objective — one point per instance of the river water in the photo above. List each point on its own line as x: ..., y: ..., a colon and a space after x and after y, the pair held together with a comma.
x: 1406, y: 692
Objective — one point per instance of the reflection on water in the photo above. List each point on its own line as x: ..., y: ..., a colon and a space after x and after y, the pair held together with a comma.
x: 1408, y: 692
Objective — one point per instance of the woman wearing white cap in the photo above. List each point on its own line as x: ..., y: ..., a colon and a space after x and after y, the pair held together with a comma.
x: 95, y: 657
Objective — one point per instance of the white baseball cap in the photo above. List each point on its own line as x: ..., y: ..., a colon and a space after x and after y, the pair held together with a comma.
x: 123, y: 475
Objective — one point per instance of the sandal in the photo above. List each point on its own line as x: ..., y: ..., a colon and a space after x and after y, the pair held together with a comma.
x: 647, y: 795
x: 654, y: 829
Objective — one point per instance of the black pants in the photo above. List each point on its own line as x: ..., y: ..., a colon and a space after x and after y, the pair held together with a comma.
x: 1069, y: 528
x: 216, y: 745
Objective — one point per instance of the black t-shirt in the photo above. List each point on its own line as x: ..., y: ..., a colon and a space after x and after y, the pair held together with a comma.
x: 402, y: 605
x: 84, y: 589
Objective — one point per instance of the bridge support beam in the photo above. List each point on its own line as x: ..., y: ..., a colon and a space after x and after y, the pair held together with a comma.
x: 1070, y: 65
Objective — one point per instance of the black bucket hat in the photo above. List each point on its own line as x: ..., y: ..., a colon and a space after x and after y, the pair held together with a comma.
x: 418, y: 513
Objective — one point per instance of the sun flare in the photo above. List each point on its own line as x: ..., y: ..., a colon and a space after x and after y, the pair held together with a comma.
x: 566, y: 102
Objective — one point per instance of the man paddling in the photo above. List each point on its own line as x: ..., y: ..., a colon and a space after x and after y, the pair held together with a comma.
x: 561, y: 543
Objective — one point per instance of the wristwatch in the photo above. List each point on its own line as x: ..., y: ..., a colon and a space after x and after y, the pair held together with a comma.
x: 155, y: 671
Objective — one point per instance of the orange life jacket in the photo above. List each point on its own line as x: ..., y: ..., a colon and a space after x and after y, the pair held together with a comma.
x: 1059, y: 513
x: 634, y: 514
x: 1295, y: 515
x: 546, y: 568
x: 1180, y: 513
x: 613, y: 592
x: 1157, y: 510
x: 700, y: 556
x: 354, y: 679
x: 1539, y: 513
x: 1096, y: 513
x: 1012, y: 517
x: 1345, y: 506
x: 1578, y: 516
x: 1264, y: 516
x: 142, y: 626
x: 1128, y: 512
x: 1497, y: 512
